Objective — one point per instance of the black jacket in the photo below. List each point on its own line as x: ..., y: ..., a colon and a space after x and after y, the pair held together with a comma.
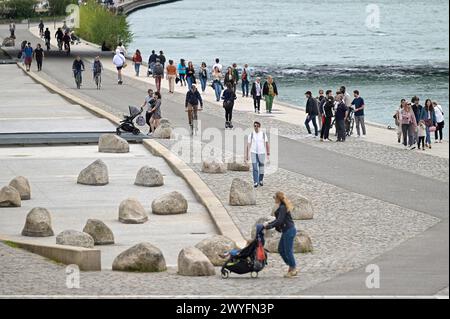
x: 311, y: 106
x: 266, y: 88
x: 283, y: 221
x: 152, y: 58
x: 253, y: 90
x: 328, y: 108
x: 193, y: 98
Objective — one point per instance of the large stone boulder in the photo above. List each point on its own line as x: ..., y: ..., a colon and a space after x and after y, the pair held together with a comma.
x: 149, y: 177
x: 303, y: 208
x: 164, y: 130
x: 101, y: 233
x: 38, y: 223
x: 75, y: 238
x: 95, y: 174
x: 192, y: 262
x: 170, y: 204
x: 111, y: 143
x: 302, y: 243
x: 10, y: 197
x: 213, y: 166
x: 23, y: 187
x: 131, y: 211
x: 238, y: 166
x: 8, y: 42
x: 143, y: 257
x: 215, y: 246
x: 242, y: 193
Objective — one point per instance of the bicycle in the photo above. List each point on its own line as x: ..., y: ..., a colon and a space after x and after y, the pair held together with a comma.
x: 60, y: 44
x: 47, y: 44
x: 67, y: 48
x: 78, y: 78
x: 350, y: 122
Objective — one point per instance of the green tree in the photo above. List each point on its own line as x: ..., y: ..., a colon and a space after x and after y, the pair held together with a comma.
x: 98, y: 25
x: 19, y: 8
x: 58, y: 7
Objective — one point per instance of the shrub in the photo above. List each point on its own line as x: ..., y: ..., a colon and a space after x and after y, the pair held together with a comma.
x: 98, y: 25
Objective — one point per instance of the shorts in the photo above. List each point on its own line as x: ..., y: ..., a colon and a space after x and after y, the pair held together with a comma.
x: 119, y: 68
x: 156, y: 116
x: 28, y: 61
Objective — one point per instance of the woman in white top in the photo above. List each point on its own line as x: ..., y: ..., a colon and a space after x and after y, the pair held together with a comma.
x: 119, y: 62
x: 439, y: 114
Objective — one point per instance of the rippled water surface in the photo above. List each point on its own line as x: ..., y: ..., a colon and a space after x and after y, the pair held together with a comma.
x: 309, y: 44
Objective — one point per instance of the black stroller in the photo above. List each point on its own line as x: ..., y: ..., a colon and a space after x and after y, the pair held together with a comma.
x: 127, y: 124
x: 252, y: 259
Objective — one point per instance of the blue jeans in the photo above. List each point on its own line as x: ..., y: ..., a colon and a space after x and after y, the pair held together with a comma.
x: 218, y: 90
x: 428, y: 138
x: 189, y: 81
x: 258, y: 163
x: 137, y: 67
x: 312, y: 118
x: 286, y: 247
x: 203, y: 83
x: 245, y: 88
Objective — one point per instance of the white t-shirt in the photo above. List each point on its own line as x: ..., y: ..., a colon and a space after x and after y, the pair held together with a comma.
x: 258, y: 142
x: 218, y: 65
x: 439, y: 114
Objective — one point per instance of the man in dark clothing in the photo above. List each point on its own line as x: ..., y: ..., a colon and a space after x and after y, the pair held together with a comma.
x: 417, y: 109
x: 340, y: 116
x: 78, y: 67
x: 151, y: 62
x: 193, y: 99
x: 312, y: 111
x: 59, y: 35
x: 162, y: 58
x: 321, y: 100
x: 328, y: 107
x: 47, y: 37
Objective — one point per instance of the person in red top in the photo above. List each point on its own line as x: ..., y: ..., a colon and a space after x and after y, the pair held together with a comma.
x: 137, y: 60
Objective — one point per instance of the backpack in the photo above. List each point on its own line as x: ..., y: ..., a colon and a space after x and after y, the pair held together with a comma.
x: 244, y: 75
x: 97, y: 67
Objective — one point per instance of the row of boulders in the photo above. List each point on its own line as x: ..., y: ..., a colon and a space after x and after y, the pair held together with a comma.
x: 96, y: 174
x: 217, y: 166
x: 17, y: 190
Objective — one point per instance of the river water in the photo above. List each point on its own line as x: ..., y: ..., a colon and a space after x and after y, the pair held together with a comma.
x: 307, y: 45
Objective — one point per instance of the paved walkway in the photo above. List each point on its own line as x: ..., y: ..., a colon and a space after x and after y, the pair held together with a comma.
x: 392, y: 174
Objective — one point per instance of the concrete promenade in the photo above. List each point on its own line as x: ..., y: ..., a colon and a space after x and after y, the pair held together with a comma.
x: 384, y: 223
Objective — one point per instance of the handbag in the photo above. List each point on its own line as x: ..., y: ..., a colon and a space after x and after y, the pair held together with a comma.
x: 432, y: 128
x: 177, y: 79
x: 140, y: 120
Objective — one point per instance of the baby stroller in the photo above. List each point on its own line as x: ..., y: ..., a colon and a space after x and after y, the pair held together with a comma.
x: 252, y: 259
x: 127, y: 124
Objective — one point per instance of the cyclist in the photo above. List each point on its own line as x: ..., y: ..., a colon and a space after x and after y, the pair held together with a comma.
x: 97, y: 68
x: 41, y: 28
x: 77, y: 68
x: 47, y: 37
x: 59, y: 35
x: 66, y: 40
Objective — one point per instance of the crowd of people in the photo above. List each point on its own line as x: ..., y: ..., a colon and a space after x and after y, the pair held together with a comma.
x: 415, y: 123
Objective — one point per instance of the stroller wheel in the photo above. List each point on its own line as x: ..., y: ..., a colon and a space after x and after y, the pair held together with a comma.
x: 136, y: 131
x: 118, y: 132
x: 254, y: 275
x: 225, y: 274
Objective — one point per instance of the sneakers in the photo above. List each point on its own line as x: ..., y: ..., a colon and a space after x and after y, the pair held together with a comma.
x: 309, y: 135
x: 261, y: 184
x: 255, y: 185
x: 291, y: 274
x: 412, y: 147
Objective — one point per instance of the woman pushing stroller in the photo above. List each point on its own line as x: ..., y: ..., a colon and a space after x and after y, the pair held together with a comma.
x: 284, y: 224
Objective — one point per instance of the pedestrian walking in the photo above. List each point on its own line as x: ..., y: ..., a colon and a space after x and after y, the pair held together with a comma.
x: 284, y: 224
x: 409, y: 126
x: 340, y: 117
x: 156, y: 112
x: 41, y: 28
x: 171, y: 76
x: 259, y: 150
x: 28, y: 56
x: 421, y: 133
x: 429, y: 117
x: 47, y: 38
x: 270, y: 91
x: 151, y: 63
x: 203, y: 76
x: 149, y: 104
x: 137, y: 61
x: 321, y: 100
x: 439, y: 115
x: 228, y: 98
x: 182, y: 72
x: 193, y: 99
x: 12, y: 30
x: 328, y: 108
x: 257, y: 92
x: 39, y: 56
x: 162, y: 58
x: 122, y: 49
x: 217, y: 82
x: 190, y: 75
x: 245, y: 77
x: 119, y: 63
x: 217, y: 65
x: 312, y: 110
x: 158, y: 74
x: 236, y: 76
x: 417, y: 109
x: 230, y: 78
x: 397, y: 119
x: 358, y: 104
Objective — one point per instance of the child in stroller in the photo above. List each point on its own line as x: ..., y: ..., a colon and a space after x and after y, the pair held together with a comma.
x: 252, y: 259
x: 127, y: 124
